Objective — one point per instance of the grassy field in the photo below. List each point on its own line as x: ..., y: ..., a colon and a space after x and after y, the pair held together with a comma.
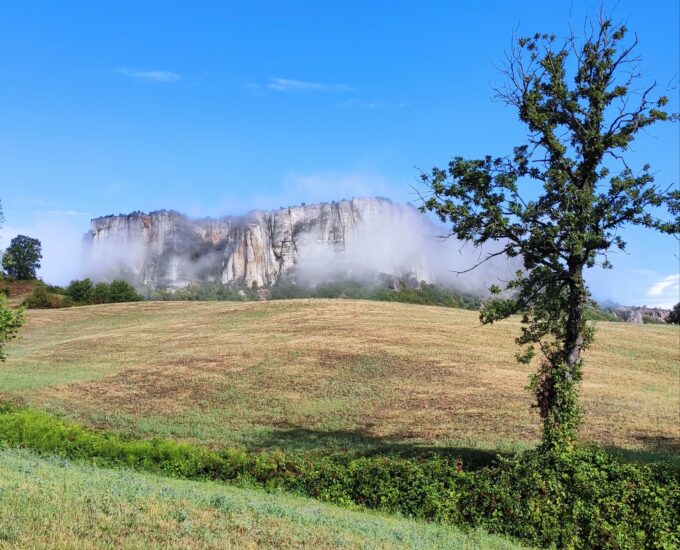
x: 329, y: 373
x: 52, y: 503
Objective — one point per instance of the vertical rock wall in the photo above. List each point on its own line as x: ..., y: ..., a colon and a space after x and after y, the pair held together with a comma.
x: 166, y: 249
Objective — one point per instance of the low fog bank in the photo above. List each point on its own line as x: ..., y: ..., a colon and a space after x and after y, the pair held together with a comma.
x: 388, y: 240
x: 402, y: 241
x: 113, y: 259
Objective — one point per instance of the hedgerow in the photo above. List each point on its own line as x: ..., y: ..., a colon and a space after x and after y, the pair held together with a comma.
x: 578, y: 499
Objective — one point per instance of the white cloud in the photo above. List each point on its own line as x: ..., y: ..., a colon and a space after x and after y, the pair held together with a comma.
x: 164, y: 77
x: 71, y: 213
x: 288, y: 85
x: 658, y: 288
x: 665, y: 292
x: 356, y: 103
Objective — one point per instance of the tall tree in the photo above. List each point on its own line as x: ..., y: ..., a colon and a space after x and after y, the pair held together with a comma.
x: 22, y: 257
x: 559, y: 201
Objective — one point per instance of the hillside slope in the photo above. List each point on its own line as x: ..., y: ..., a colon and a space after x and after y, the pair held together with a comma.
x: 53, y: 503
x: 329, y: 373
x: 17, y: 291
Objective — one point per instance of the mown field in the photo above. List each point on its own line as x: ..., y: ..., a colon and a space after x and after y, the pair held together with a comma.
x: 304, y: 374
x: 53, y: 503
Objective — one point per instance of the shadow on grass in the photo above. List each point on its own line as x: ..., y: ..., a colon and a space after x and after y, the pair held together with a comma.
x: 657, y: 449
x: 296, y: 438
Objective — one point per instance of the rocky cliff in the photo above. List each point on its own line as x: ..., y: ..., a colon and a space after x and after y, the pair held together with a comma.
x: 641, y: 314
x: 165, y: 249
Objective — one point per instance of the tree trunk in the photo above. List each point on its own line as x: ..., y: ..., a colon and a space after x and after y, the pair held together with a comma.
x: 559, y: 385
x: 573, y: 341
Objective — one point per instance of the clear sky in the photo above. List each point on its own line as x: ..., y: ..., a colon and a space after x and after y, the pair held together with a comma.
x: 218, y: 108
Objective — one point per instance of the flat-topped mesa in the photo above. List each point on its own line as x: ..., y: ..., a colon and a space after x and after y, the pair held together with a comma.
x: 165, y: 249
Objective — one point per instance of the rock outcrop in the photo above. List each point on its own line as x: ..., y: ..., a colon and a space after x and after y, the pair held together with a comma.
x: 642, y: 314
x: 165, y: 249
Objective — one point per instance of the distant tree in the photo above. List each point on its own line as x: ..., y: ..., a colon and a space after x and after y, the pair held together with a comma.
x: 10, y: 319
x: 101, y: 293
x: 22, y: 258
x: 81, y: 291
x: 122, y: 291
x: 582, y: 106
x: 674, y: 316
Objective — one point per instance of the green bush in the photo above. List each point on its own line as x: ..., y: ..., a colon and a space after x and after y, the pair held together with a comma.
x: 286, y: 289
x: 81, y: 291
x: 596, y: 312
x: 580, y: 499
x: 651, y: 320
x: 101, y: 293
x: 122, y: 291
x: 5, y: 292
x: 205, y: 291
x: 40, y: 298
x: 55, y: 289
x: 427, y: 294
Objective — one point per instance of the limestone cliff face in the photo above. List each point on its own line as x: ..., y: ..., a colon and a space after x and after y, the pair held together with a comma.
x: 166, y: 249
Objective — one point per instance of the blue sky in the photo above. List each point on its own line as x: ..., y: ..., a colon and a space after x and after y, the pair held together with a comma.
x: 218, y: 108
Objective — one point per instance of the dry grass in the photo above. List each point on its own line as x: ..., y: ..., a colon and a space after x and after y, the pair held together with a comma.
x: 18, y: 290
x: 304, y: 373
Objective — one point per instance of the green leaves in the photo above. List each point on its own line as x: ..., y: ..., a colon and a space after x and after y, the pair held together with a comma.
x: 10, y: 322
x: 576, y: 101
x: 22, y: 257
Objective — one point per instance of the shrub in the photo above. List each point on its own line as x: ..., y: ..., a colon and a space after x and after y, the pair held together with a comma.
x: 101, y: 293
x: 40, y: 298
x: 427, y: 294
x: 4, y: 291
x: 651, y: 320
x: 10, y: 322
x: 578, y: 499
x: 55, y: 289
x: 81, y: 291
x: 596, y: 312
x: 122, y: 291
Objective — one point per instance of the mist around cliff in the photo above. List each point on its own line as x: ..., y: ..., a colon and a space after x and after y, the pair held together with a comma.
x: 390, y: 240
x: 113, y: 259
x: 402, y: 241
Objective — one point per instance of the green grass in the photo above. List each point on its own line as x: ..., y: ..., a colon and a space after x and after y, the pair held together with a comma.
x: 580, y: 499
x: 334, y: 374
x: 54, y: 503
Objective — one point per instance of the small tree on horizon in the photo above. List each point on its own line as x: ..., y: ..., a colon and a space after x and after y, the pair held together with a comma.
x: 22, y: 258
x: 582, y: 106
